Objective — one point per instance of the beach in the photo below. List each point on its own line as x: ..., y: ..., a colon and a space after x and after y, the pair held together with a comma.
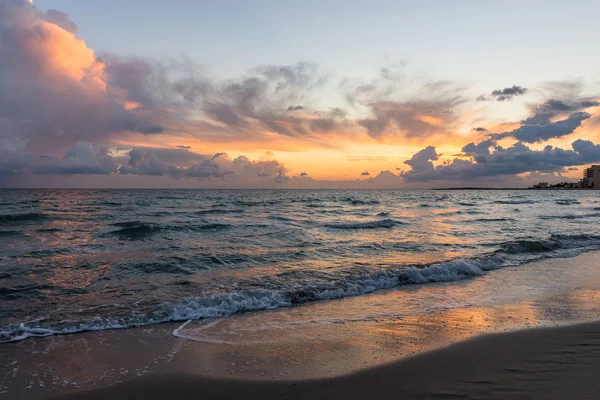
x: 511, y: 333
x: 544, y: 363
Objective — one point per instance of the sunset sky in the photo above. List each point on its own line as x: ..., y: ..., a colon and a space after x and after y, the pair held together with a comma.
x: 313, y: 94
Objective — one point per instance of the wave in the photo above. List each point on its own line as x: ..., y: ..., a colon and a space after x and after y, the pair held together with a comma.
x: 10, y: 233
x: 514, y: 202
x: 570, y: 216
x: 567, y: 202
x: 493, y: 220
x: 383, y: 223
x: 219, y: 211
x: 48, y: 230
x: 459, y: 212
x: 135, y: 230
x: 25, y: 217
x: 358, y: 202
x: 554, y: 242
x: 315, y: 286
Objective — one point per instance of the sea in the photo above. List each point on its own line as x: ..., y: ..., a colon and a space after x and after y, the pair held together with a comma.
x: 90, y: 260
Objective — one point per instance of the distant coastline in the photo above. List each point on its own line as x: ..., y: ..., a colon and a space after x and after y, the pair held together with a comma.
x: 510, y: 188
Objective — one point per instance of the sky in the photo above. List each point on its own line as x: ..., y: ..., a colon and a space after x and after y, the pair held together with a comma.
x: 313, y: 94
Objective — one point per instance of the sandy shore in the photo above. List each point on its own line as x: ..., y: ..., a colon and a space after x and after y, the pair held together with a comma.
x: 381, y: 345
x: 545, y: 363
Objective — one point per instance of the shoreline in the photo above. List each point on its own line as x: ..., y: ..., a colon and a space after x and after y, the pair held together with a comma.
x: 326, y: 343
x: 552, y: 363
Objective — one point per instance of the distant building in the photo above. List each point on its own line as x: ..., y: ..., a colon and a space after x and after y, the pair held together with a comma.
x: 591, y: 177
x: 541, y: 185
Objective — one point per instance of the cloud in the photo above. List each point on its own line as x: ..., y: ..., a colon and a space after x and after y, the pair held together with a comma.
x: 366, y: 173
x: 504, y: 94
x: 428, y: 111
x: 147, y: 163
x: 250, y: 106
x: 480, y: 129
x: 82, y: 158
x: 479, y: 149
x: 517, y: 159
x: 184, y: 147
x: 13, y: 157
x: 539, y: 133
x: 304, y: 174
x: 52, y: 85
x: 544, y: 113
x: 422, y: 161
x: 221, y: 166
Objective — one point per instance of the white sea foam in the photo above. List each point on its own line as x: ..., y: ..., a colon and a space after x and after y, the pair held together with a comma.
x: 294, y: 292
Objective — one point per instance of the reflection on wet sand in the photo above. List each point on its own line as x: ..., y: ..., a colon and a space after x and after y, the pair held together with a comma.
x: 319, y: 339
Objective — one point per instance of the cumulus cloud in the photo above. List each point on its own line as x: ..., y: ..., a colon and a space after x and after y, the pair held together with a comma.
x: 82, y: 158
x: 53, y: 85
x: 241, y: 168
x: 504, y: 94
x: 479, y: 149
x: 517, y: 159
x: 422, y: 161
x: 147, y: 163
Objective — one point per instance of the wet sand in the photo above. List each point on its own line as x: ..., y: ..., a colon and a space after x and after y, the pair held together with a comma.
x: 543, y: 363
x: 444, y: 340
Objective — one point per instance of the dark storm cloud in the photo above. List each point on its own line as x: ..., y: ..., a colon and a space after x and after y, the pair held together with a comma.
x: 510, y: 161
x: 504, y: 94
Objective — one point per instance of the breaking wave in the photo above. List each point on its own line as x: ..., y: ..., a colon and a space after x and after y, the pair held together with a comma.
x: 289, y: 291
x: 383, y: 223
x: 514, y: 202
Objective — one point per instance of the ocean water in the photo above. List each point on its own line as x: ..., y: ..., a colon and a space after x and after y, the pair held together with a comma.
x: 81, y: 260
